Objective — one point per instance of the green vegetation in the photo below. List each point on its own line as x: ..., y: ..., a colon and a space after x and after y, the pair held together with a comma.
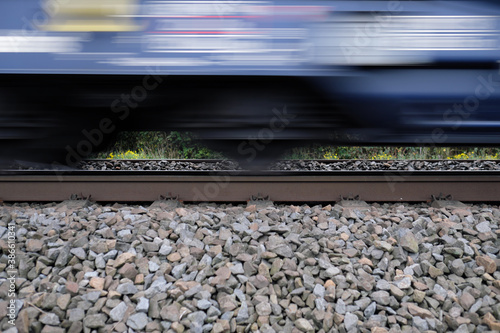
x: 157, y: 145
x: 403, y: 153
x: 184, y: 145
x: 390, y: 153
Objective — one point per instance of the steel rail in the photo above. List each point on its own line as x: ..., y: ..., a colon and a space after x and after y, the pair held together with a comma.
x: 382, y: 186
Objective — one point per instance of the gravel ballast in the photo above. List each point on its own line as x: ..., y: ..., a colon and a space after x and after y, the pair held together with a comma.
x: 297, y: 165
x: 392, y: 165
x: 285, y: 165
x: 158, y: 165
x: 224, y: 268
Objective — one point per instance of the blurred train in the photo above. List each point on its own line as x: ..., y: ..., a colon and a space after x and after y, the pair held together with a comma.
x: 249, y: 77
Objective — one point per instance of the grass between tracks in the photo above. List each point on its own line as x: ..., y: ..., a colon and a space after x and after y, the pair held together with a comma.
x: 183, y: 145
x: 157, y: 145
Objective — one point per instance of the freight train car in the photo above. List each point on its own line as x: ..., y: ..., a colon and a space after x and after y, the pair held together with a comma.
x: 249, y: 77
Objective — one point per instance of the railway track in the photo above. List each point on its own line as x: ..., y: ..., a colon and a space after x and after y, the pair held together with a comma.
x: 351, y: 266
x: 241, y: 186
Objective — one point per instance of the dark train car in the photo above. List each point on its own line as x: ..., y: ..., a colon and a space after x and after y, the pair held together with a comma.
x: 250, y: 77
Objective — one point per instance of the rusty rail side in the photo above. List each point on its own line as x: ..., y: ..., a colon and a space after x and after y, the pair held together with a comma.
x: 238, y: 188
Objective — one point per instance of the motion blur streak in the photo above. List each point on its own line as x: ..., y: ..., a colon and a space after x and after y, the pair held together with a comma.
x: 348, y: 72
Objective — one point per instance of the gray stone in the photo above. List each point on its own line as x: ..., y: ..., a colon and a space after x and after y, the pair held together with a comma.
x: 178, y: 270
x: 309, y: 282
x: 137, y: 321
x: 457, y: 267
x: 340, y: 308
x: 193, y: 291
x: 100, y: 262
x: 92, y: 296
x: 89, y: 275
x: 243, y: 313
x: 150, y: 247
x: 152, y: 266
x: 165, y: 250
x: 79, y: 253
x: 49, y: 319
x: 110, y: 255
x: 462, y: 329
x: 278, y: 245
x: 75, y: 314
x: 213, y: 312
x: 263, y: 309
x: 95, y: 321
x: 455, y: 251
x: 63, y: 257
x: 159, y: 285
x: 409, y: 242
x: 237, y: 269
x: 420, y: 323
x: 50, y: 301
x: 14, y: 330
x: 203, y: 304
x: 319, y: 290
x: 476, y: 306
x: 383, y: 285
x: 320, y: 304
x: 240, y: 295
x: 127, y: 289
x: 332, y: 271
x: 197, y: 319
x: 118, y: 312
x: 483, y: 226
x: 440, y: 290
x: 350, y: 321
x: 363, y: 303
x: 382, y: 245
x: 382, y: 297
x: 403, y: 283
x: 142, y: 305
x: 124, y: 233
x: 370, y: 310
